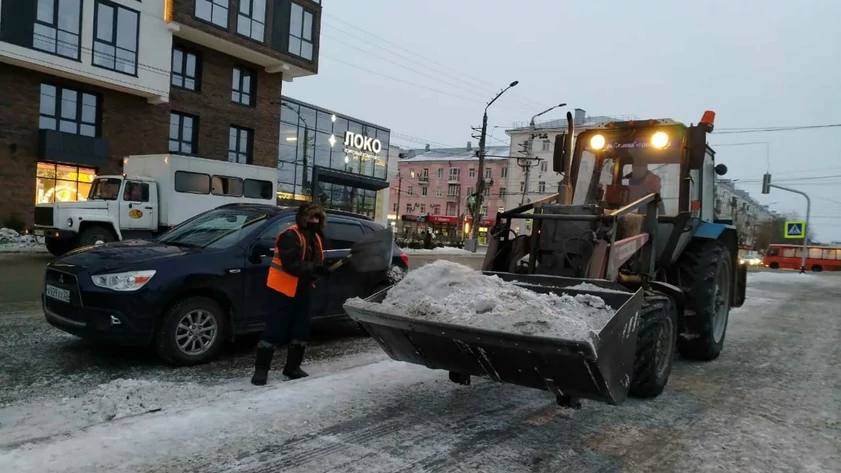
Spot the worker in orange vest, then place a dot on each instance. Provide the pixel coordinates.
(297, 263)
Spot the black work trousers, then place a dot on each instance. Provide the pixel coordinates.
(290, 320)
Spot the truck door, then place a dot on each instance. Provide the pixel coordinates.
(137, 212)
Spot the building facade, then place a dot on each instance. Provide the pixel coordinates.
(335, 159)
(98, 80)
(740, 208)
(431, 188)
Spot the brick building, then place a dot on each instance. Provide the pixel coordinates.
(431, 188)
(97, 80)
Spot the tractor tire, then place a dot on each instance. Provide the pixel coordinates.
(95, 233)
(655, 346)
(706, 276)
(58, 246)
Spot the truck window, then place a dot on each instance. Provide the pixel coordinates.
(105, 189)
(192, 182)
(256, 189)
(136, 192)
(224, 185)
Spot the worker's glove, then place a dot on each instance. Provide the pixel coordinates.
(321, 270)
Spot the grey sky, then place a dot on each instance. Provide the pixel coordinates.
(756, 63)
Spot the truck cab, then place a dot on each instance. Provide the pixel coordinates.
(116, 205)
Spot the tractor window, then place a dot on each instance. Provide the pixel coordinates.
(663, 178)
(585, 177)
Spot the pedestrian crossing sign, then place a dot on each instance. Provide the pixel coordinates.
(795, 229)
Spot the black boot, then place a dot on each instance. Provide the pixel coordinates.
(294, 357)
(262, 364)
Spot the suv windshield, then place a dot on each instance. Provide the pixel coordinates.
(106, 188)
(220, 228)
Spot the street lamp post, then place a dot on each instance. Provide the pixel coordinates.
(529, 161)
(473, 243)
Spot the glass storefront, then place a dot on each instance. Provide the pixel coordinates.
(311, 136)
(62, 183)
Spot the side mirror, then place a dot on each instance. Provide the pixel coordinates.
(720, 169)
(563, 147)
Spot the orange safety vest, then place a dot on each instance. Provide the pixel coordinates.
(280, 280)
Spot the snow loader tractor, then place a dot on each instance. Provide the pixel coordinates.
(634, 221)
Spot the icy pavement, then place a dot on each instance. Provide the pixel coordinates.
(771, 402)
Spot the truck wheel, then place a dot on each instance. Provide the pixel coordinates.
(58, 246)
(707, 277)
(191, 332)
(655, 346)
(95, 233)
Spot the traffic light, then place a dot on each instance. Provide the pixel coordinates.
(766, 183)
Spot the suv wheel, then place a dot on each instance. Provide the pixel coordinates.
(191, 332)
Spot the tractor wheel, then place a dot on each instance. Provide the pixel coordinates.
(706, 275)
(655, 346)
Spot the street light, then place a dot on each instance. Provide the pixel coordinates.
(528, 162)
(472, 244)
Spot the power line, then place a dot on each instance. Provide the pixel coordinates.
(729, 131)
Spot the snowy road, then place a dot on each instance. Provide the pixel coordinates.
(771, 402)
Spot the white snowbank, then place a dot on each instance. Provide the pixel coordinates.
(444, 291)
(13, 242)
(782, 276)
(444, 251)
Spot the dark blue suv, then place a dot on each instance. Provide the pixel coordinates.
(199, 284)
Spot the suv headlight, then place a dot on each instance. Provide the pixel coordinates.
(129, 281)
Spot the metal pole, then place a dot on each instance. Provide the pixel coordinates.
(399, 189)
(806, 229)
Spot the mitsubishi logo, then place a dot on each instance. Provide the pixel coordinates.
(61, 279)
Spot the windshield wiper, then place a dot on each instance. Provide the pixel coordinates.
(181, 244)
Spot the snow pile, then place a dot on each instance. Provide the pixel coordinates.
(443, 251)
(444, 291)
(10, 240)
(587, 286)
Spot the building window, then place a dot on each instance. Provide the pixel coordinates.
(502, 191)
(60, 183)
(438, 193)
(423, 208)
(68, 110)
(115, 40)
(469, 191)
(408, 208)
(242, 86)
(185, 69)
(394, 208)
(440, 173)
(504, 172)
(239, 145)
(57, 26)
(453, 190)
(541, 186)
(454, 174)
(488, 173)
(545, 145)
(471, 172)
(300, 32)
(214, 11)
(251, 20)
(183, 130)
(436, 210)
(425, 174)
(543, 166)
(451, 209)
(424, 190)
(486, 192)
(411, 191)
(484, 212)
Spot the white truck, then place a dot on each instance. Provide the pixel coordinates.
(154, 193)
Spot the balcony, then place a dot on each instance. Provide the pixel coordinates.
(68, 148)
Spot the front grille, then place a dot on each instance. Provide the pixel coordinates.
(64, 281)
(44, 216)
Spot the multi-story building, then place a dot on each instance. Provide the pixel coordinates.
(97, 80)
(739, 207)
(432, 185)
(532, 179)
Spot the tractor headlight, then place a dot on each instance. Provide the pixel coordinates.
(660, 139)
(124, 282)
(597, 142)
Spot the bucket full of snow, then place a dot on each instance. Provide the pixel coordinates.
(573, 337)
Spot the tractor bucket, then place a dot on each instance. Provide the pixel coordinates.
(571, 369)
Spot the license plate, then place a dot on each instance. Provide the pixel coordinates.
(58, 293)
(39, 232)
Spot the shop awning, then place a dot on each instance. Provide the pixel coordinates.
(342, 178)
